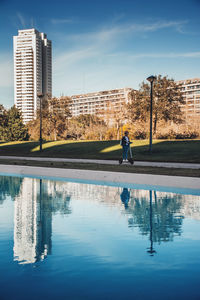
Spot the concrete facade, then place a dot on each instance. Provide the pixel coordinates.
(98, 102)
(32, 70)
(191, 94)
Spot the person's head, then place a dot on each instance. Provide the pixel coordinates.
(126, 132)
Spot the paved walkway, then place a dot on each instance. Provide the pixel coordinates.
(108, 162)
(174, 184)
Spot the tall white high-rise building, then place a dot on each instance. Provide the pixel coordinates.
(32, 70)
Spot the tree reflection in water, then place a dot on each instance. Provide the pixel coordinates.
(156, 214)
(9, 186)
(158, 217)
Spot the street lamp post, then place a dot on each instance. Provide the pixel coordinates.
(40, 96)
(151, 80)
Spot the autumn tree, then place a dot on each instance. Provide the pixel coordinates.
(116, 116)
(86, 126)
(55, 115)
(3, 121)
(58, 114)
(96, 129)
(167, 99)
(12, 127)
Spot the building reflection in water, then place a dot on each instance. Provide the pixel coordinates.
(33, 209)
(32, 223)
(157, 215)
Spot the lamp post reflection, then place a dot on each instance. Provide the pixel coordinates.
(45, 225)
(151, 250)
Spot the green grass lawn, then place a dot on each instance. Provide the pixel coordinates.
(163, 150)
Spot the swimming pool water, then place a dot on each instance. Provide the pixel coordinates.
(69, 240)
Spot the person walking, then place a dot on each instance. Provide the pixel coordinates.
(125, 143)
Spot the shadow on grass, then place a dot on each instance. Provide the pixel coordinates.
(17, 149)
(177, 151)
(83, 149)
(165, 151)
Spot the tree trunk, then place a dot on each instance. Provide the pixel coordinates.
(55, 135)
(118, 131)
(155, 123)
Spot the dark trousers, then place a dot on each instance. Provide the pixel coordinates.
(125, 151)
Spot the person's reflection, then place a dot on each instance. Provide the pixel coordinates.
(125, 197)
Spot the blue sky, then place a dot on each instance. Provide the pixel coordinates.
(100, 45)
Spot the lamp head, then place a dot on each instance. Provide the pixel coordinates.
(151, 78)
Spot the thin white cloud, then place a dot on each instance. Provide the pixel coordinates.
(22, 22)
(61, 21)
(65, 59)
(151, 27)
(176, 25)
(157, 55)
(101, 43)
(21, 19)
(116, 31)
(95, 54)
(32, 22)
(189, 54)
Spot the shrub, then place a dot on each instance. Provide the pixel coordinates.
(140, 134)
(187, 135)
(171, 134)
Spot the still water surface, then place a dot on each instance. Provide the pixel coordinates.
(67, 240)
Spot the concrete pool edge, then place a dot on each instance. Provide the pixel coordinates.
(102, 176)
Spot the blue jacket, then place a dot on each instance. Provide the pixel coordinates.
(125, 141)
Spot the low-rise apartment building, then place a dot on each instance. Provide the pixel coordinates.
(191, 94)
(98, 102)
